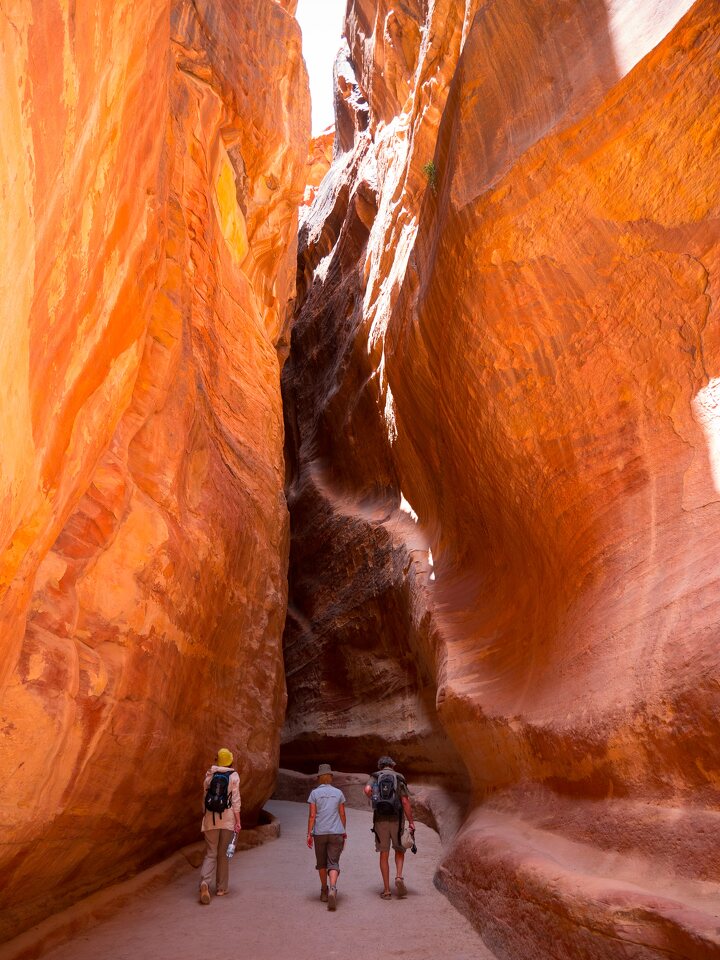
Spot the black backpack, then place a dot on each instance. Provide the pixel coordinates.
(218, 796)
(385, 795)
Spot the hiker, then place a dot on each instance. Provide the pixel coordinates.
(221, 819)
(327, 829)
(390, 797)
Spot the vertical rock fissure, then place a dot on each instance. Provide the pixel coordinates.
(359, 628)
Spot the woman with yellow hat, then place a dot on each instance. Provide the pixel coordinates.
(221, 819)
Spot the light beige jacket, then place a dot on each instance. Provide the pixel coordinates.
(226, 820)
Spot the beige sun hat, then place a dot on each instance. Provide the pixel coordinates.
(323, 769)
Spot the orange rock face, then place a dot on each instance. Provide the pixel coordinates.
(321, 151)
(502, 410)
(152, 169)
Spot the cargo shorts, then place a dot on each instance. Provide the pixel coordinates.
(387, 832)
(328, 847)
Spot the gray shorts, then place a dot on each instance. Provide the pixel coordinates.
(387, 832)
(328, 847)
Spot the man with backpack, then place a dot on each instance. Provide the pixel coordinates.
(390, 798)
(220, 821)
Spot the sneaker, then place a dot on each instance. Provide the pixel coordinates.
(323, 894)
(204, 893)
(400, 887)
(332, 898)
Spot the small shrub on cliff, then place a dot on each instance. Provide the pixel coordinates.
(430, 171)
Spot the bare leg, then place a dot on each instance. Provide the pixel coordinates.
(332, 889)
(399, 861)
(323, 877)
(385, 869)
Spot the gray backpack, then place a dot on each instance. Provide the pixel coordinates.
(385, 793)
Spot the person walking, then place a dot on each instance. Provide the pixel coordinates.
(390, 798)
(327, 827)
(221, 819)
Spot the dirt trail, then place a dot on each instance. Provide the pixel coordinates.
(273, 911)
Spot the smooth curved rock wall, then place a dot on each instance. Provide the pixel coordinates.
(152, 168)
(502, 411)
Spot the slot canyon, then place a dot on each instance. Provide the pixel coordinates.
(404, 439)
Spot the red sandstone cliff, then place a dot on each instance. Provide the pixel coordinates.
(504, 467)
(152, 167)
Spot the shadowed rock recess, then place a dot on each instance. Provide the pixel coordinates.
(502, 409)
(155, 165)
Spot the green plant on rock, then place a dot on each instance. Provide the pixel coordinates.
(430, 171)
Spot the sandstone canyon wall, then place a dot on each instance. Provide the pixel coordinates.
(503, 447)
(152, 166)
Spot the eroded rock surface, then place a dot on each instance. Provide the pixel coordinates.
(319, 160)
(152, 169)
(502, 419)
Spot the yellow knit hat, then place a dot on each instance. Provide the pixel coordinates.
(225, 758)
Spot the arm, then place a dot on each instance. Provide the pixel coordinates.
(236, 802)
(312, 811)
(206, 784)
(368, 788)
(341, 811)
(407, 809)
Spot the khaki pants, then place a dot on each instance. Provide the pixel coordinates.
(216, 865)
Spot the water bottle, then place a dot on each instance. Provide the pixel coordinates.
(231, 847)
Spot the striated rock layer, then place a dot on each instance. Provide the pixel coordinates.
(503, 423)
(151, 166)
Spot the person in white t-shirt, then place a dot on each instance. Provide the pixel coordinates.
(327, 830)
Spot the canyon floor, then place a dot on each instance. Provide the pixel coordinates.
(273, 911)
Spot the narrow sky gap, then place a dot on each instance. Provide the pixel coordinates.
(321, 22)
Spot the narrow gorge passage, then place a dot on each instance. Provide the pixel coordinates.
(403, 439)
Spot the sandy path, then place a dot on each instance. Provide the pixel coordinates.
(273, 911)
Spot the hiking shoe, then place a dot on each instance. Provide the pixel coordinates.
(323, 894)
(400, 887)
(332, 898)
(204, 893)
